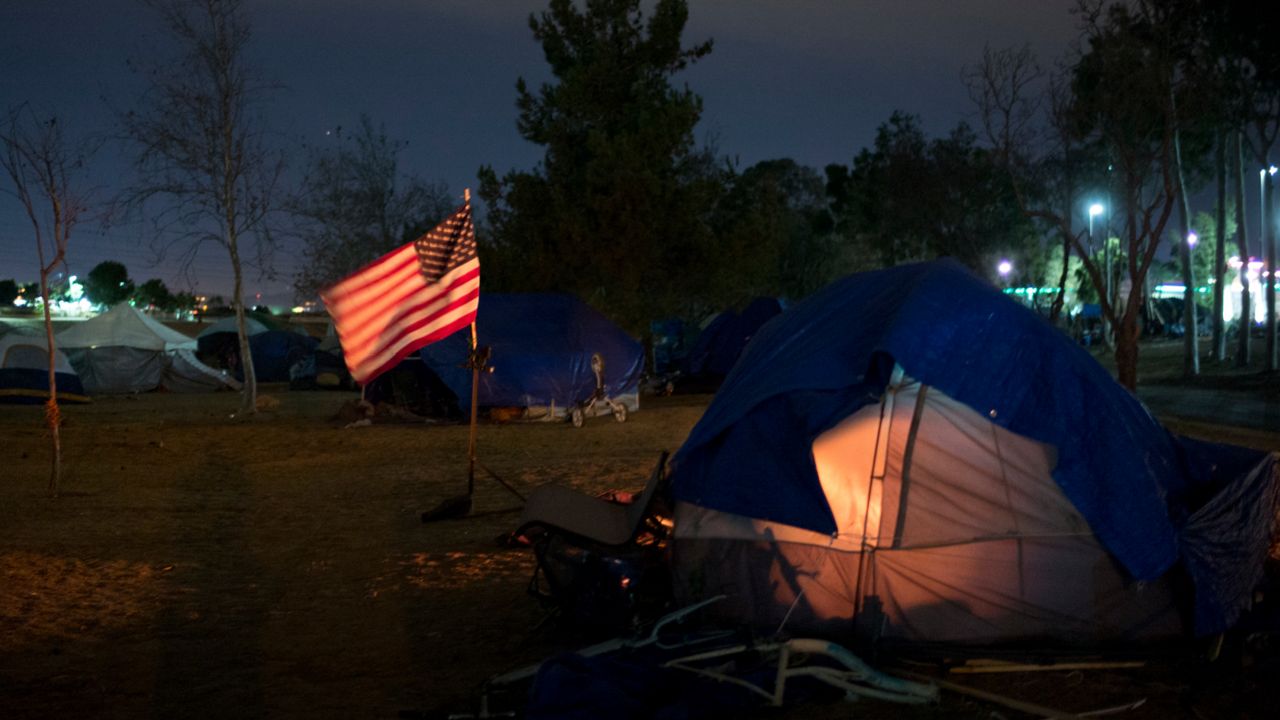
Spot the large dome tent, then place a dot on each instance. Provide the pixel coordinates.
(909, 456)
(124, 351)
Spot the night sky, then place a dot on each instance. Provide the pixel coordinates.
(803, 79)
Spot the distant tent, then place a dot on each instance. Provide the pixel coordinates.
(7, 328)
(722, 341)
(668, 345)
(185, 373)
(124, 351)
(541, 354)
(911, 456)
(414, 387)
(331, 371)
(275, 352)
(24, 372)
(229, 325)
(255, 323)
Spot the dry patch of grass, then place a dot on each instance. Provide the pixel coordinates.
(48, 597)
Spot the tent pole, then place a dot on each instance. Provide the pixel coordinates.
(906, 465)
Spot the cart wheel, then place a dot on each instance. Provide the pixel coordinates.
(575, 416)
(620, 412)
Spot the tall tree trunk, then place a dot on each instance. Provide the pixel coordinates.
(1269, 248)
(1242, 232)
(1220, 252)
(1127, 351)
(249, 393)
(1055, 309)
(1058, 300)
(52, 414)
(1191, 338)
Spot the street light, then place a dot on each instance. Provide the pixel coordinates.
(1095, 210)
(1192, 239)
(1005, 267)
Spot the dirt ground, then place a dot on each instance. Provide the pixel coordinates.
(196, 566)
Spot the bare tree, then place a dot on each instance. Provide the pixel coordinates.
(1120, 110)
(201, 149)
(354, 204)
(42, 168)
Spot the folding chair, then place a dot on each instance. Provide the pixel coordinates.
(561, 509)
(600, 564)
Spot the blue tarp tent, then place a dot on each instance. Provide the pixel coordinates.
(722, 341)
(946, 456)
(541, 348)
(274, 352)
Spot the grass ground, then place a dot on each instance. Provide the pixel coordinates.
(198, 567)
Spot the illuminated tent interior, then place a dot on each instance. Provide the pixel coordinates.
(910, 457)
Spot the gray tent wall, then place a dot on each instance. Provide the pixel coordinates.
(116, 369)
(124, 351)
(184, 373)
(951, 529)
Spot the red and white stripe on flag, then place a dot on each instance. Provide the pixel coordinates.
(388, 309)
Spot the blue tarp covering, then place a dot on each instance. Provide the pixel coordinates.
(274, 352)
(721, 342)
(541, 353)
(1150, 499)
(24, 386)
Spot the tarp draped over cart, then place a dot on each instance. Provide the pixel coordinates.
(541, 347)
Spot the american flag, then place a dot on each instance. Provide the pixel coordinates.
(413, 296)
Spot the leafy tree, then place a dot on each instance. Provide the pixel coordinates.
(43, 171)
(8, 292)
(108, 283)
(355, 205)
(618, 207)
(201, 147)
(184, 302)
(910, 198)
(153, 293)
(773, 234)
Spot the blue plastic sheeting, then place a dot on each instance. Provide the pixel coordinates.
(21, 386)
(541, 353)
(831, 354)
(273, 351)
(722, 341)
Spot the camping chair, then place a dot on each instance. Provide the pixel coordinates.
(598, 562)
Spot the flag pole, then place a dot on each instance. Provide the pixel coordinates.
(475, 389)
(475, 399)
(478, 359)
